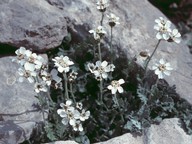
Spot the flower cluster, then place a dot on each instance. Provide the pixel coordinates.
(98, 33)
(163, 27)
(102, 5)
(113, 20)
(72, 76)
(30, 64)
(100, 69)
(33, 68)
(162, 68)
(73, 115)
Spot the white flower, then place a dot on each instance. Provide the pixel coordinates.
(77, 126)
(31, 57)
(163, 28)
(39, 62)
(46, 77)
(101, 69)
(113, 20)
(84, 115)
(162, 69)
(73, 116)
(40, 87)
(21, 54)
(69, 117)
(62, 63)
(29, 66)
(65, 107)
(175, 36)
(102, 5)
(98, 33)
(30, 61)
(29, 75)
(116, 86)
(68, 113)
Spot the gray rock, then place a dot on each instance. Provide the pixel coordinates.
(33, 24)
(63, 142)
(124, 139)
(168, 132)
(133, 35)
(18, 116)
(42, 25)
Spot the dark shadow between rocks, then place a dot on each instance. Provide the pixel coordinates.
(7, 50)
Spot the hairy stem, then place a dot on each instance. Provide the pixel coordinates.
(111, 50)
(102, 17)
(99, 50)
(101, 91)
(71, 91)
(150, 57)
(48, 95)
(66, 88)
(116, 101)
(44, 100)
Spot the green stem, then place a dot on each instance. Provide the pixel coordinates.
(111, 50)
(99, 50)
(102, 17)
(116, 101)
(150, 57)
(29, 141)
(48, 95)
(71, 91)
(66, 88)
(94, 50)
(40, 97)
(101, 91)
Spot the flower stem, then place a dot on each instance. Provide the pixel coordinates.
(44, 101)
(116, 101)
(101, 91)
(150, 57)
(71, 91)
(66, 88)
(99, 50)
(111, 50)
(102, 17)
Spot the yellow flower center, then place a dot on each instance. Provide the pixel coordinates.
(100, 70)
(115, 84)
(162, 67)
(63, 63)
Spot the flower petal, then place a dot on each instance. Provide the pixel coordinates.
(120, 89)
(121, 81)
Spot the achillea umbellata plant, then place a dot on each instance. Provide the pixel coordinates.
(88, 97)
